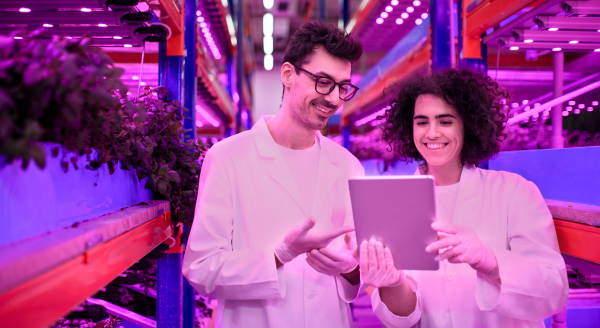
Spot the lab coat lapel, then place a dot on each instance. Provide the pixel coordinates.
(327, 174)
(469, 196)
(278, 170)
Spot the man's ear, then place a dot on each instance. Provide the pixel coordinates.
(287, 70)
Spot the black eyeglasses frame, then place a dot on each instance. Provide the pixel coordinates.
(317, 78)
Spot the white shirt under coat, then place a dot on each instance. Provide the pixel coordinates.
(248, 200)
(508, 213)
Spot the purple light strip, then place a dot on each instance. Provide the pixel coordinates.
(204, 28)
(371, 117)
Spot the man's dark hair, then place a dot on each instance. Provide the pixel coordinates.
(316, 34)
(313, 34)
(476, 98)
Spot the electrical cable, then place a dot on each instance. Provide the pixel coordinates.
(165, 26)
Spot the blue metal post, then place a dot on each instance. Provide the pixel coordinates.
(346, 133)
(240, 63)
(169, 280)
(440, 34)
(345, 6)
(322, 10)
(169, 290)
(191, 82)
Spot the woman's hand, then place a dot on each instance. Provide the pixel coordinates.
(377, 265)
(464, 247)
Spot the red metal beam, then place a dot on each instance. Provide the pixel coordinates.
(491, 12)
(359, 18)
(44, 299)
(578, 240)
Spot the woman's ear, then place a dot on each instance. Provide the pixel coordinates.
(287, 71)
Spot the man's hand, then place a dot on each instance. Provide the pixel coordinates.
(302, 240)
(377, 265)
(465, 247)
(331, 262)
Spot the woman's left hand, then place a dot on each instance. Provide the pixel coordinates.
(464, 247)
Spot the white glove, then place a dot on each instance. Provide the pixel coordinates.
(331, 262)
(465, 247)
(301, 239)
(377, 265)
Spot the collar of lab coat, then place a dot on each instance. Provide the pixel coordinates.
(327, 172)
(469, 194)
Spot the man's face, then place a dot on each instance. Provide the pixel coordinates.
(308, 107)
(437, 130)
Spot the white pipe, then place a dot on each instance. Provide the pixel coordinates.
(553, 102)
(557, 111)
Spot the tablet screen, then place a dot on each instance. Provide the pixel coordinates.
(398, 211)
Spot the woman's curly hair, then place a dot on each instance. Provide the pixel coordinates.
(477, 99)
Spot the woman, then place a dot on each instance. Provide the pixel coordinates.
(500, 265)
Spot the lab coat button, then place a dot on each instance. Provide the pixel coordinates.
(311, 296)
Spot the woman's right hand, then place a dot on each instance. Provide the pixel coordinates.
(377, 265)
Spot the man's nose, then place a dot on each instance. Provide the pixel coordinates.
(334, 96)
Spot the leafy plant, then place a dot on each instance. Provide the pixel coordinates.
(58, 90)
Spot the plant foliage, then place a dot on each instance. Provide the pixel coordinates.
(65, 91)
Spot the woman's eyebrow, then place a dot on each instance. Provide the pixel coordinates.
(444, 115)
(420, 117)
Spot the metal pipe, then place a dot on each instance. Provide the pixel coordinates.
(557, 118)
(452, 40)
(553, 102)
(567, 87)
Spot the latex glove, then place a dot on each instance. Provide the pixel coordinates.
(465, 247)
(377, 265)
(331, 262)
(302, 239)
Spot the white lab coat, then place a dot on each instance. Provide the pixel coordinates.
(247, 202)
(508, 214)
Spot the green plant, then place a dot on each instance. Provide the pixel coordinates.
(67, 92)
(58, 90)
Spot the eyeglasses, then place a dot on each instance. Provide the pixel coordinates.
(325, 85)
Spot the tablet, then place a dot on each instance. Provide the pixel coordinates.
(398, 211)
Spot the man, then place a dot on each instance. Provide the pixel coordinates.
(269, 237)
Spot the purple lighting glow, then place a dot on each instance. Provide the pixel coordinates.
(48, 25)
(384, 15)
(394, 2)
(416, 3)
(102, 25)
(207, 116)
(410, 9)
(389, 9)
(18, 38)
(379, 20)
(86, 10)
(24, 10)
(404, 15)
(117, 37)
(399, 21)
(418, 21)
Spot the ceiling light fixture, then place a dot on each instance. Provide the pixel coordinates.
(384, 15)
(416, 3)
(394, 2)
(418, 21)
(24, 10)
(514, 48)
(556, 49)
(102, 25)
(552, 29)
(410, 9)
(389, 9)
(116, 37)
(404, 15)
(399, 21)
(268, 4)
(127, 46)
(86, 10)
(379, 20)
(528, 41)
(573, 42)
(424, 15)
(48, 25)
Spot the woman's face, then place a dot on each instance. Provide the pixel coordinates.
(437, 131)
